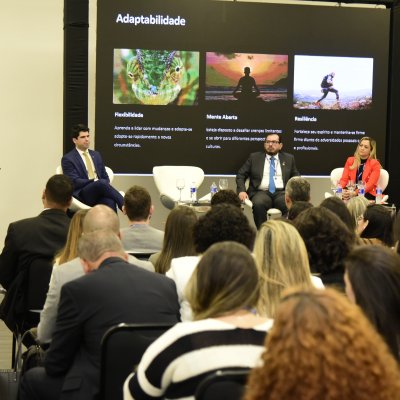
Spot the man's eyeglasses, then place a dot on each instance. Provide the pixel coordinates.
(271, 142)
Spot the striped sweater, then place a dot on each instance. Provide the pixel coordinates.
(178, 361)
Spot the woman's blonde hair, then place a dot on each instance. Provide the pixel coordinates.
(224, 281)
(357, 206)
(372, 154)
(282, 261)
(70, 250)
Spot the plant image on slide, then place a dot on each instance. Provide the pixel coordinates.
(155, 77)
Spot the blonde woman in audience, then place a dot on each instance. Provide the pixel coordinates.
(322, 347)
(178, 238)
(70, 250)
(282, 262)
(225, 334)
(357, 206)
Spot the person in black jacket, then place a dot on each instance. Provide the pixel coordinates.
(112, 291)
(33, 240)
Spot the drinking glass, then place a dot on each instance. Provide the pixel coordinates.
(180, 184)
(334, 183)
(223, 184)
(360, 184)
(351, 186)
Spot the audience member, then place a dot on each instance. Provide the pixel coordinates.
(225, 333)
(297, 208)
(98, 218)
(112, 291)
(297, 189)
(328, 241)
(373, 282)
(357, 206)
(224, 222)
(70, 250)
(178, 238)
(322, 347)
(33, 240)
(89, 176)
(282, 262)
(140, 236)
(377, 226)
(339, 208)
(226, 196)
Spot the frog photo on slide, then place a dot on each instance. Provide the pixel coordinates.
(158, 77)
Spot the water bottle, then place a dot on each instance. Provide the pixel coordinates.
(213, 189)
(361, 189)
(378, 198)
(193, 189)
(339, 191)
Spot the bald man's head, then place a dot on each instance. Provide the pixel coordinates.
(101, 217)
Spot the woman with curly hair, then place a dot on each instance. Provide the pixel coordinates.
(282, 262)
(224, 222)
(328, 241)
(178, 238)
(322, 347)
(373, 282)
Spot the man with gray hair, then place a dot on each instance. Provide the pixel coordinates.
(98, 218)
(112, 291)
(297, 189)
(96, 246)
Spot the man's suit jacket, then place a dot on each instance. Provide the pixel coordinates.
(62, 274)
(253, 169)
(116, 292)
(142, 238)
(74, 167)
(28, 239)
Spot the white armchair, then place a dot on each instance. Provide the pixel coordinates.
(165, 179)
(383, 180)
(77, 205)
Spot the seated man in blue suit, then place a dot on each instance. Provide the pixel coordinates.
(86, 169)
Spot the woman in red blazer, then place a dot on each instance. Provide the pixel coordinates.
(363, 166)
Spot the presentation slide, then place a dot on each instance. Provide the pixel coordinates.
(184, 82)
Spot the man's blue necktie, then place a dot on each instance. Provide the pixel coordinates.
(271, 175)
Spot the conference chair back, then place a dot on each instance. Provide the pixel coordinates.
(223, 384)
(122, 348)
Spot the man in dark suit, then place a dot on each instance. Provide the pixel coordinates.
(86, 169)
(33, 239)
(268, 171)
(111, 292)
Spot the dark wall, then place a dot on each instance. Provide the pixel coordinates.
(393, 133)
(76, 29)
(76, 53)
